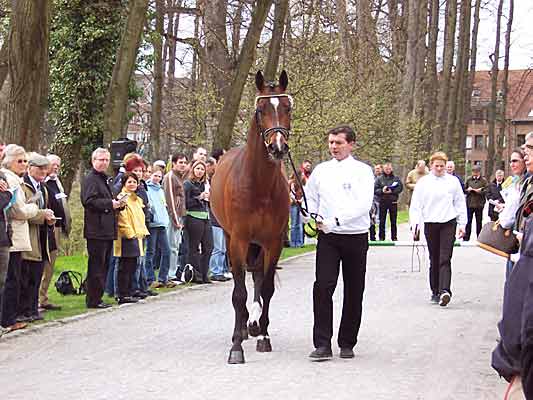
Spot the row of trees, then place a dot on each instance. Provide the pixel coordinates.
(400, 71)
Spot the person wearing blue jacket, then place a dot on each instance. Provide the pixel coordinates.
(158, 233)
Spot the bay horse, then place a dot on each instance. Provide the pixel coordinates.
(250, 199)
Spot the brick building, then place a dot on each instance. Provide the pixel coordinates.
(518, 118)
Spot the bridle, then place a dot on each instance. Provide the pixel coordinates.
(265, 133)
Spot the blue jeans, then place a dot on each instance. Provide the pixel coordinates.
(297, 231)
(111, 285)
(158, 239)
(138, 281)
(174, 242)
(217, 263)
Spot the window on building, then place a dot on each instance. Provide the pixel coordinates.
(478, 142)
(468, 142)
(520, 140)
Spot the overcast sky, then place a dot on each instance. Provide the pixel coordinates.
(521, 53)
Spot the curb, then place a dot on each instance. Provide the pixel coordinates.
(89, 314)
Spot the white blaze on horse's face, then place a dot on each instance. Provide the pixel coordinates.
(256, 312)
(275, 103)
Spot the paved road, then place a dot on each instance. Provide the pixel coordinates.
(176, 347)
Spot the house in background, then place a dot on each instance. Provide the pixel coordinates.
(518, 118)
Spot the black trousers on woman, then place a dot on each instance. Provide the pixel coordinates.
(10, 301)
(126, 269)
(440, 238)
(332, 250)
(199, 232)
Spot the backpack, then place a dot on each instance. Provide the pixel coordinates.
(187, 275)
(65, 283)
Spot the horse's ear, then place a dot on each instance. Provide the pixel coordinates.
(283, 80)
(259, 81)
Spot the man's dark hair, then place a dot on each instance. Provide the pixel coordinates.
(178, 156)
(217, 153)
(346, 129)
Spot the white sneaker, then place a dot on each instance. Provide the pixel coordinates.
(228, 275)
(444, 299)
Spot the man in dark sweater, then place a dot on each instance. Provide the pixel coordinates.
(476, 187)
(387, 188)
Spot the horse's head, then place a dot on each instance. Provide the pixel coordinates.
(273, 114)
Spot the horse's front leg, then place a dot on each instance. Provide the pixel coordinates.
(267, 291)
(254, 325)
(236, 354)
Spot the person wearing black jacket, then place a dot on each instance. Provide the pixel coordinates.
(387, 188)
(513, 356)
(197, 222)
(100, 225)
(5, 238)
(494, 193)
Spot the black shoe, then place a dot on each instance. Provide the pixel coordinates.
(321, 354)
(24, 318)
(50, 306)
(346, 353)
(36, 317)
(151, 293)
(140, 295)
(435, 298)
(207, 281)
(125, 300)
(219, 278)
(101, 305)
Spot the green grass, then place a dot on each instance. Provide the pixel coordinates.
(403, 217)
(294, 251)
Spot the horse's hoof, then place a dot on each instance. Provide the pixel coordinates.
(253, 329)
(244, 333)
(263, 346)
(236, 357)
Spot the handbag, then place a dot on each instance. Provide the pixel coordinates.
(497, 240)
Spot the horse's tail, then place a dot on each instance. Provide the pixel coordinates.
(254, 257)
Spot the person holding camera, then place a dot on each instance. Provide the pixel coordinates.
(438, 204)
(197, 223)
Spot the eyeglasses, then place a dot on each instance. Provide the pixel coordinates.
(22, 161)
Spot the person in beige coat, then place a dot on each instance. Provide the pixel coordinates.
(413, 176)
(14, 166)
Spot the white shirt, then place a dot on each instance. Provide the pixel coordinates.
(437, 199)
(341, 192)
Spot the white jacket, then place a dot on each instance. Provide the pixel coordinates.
(19, 213)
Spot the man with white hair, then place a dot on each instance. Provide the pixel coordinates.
(100, 225)
(450, 169)
(62, 226)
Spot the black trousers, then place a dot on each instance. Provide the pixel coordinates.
(31, 273)
(372, 232)
(332, 250)
(100, 252)
(10, 301)
(478, 212)
(126, 269)
(199, 231)
(392, 207)
(440, 238)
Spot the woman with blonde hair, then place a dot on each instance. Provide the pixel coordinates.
(438, 204)
(15, 164)
(197, 224)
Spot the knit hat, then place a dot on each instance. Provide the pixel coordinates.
(133, 161)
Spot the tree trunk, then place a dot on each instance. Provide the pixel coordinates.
(246, 58)
(157, 94)
(280, 16)
(421, 56)
(115, 113)
(430, 81)
(446, 81)
(464, 95)
(344, 31)
(409, 75)
(505, 80)
(4, 64)
(491, 148)
(28, 39)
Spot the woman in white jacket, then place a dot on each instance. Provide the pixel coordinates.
(439, 205)
(14, 165)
